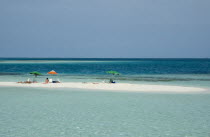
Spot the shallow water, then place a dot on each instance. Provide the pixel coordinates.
(80, 113)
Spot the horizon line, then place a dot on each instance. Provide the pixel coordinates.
(111, 57)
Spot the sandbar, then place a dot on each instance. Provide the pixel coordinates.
(123, 87)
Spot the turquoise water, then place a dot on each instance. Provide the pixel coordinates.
(38, 112)
(35, 112)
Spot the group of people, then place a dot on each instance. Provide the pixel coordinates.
(28, 81)
(47, 80)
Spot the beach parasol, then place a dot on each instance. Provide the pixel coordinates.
(52, 72)
(35, 73)
(113, 72)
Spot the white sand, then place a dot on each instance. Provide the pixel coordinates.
(113, 87)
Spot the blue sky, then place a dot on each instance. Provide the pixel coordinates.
(105, 28)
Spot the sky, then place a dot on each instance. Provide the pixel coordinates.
(105, 28)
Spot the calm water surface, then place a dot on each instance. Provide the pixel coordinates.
(80, 113)
(37, 112)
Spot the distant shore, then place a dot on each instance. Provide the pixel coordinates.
(120, 87)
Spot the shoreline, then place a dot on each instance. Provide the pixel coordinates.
(118, 87)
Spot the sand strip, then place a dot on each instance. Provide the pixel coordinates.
(112, 87)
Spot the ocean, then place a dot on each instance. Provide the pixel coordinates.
(194, 72)
(63, 112)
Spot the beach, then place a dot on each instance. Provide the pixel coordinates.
(104, 68)
(151, 97)
(119, 87)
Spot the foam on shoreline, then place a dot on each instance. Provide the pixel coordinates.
(113, 87)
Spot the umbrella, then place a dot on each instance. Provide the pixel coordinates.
(52, 72)
(35, 73)
(113, 72)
